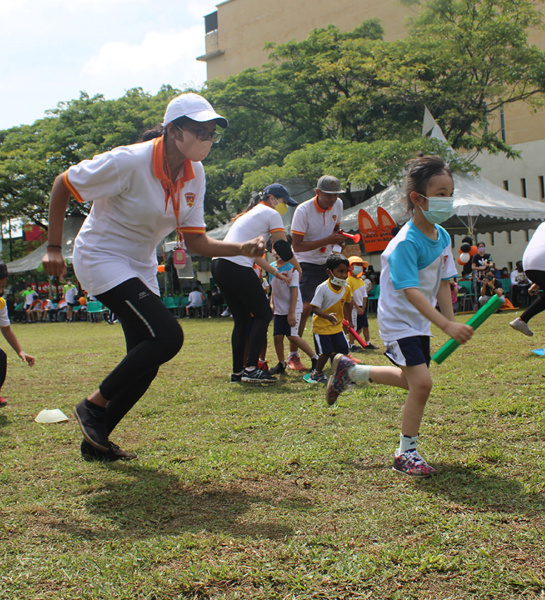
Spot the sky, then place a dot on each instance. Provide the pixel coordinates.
(50, 50)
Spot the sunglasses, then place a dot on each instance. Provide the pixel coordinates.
(203, 134)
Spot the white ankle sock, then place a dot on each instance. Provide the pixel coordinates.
(359, 373)
(406, 442)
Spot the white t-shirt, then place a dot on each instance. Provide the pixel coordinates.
(534, 255)
(4, 317)
(195, 299)
(315, 223)
(128, 218)
(282, 291)
(261, 220)
(70, 294)
(411, 260)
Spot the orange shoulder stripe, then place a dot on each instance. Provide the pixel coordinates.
(71, 188)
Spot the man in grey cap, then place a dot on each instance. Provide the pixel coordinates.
(315, 231)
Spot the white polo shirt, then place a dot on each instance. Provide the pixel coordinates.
(261, 220)
(315, 223)
(128, 218)
(534, 255)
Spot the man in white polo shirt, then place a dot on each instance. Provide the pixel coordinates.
(315, 231)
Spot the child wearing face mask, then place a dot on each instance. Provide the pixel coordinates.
(416, 267)
(331, 304)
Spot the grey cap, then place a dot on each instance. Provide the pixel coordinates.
(329, 185)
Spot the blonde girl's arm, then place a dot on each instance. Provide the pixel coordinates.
(12, 340)
(458, 331)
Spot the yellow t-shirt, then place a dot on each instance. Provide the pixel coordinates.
(330, 301)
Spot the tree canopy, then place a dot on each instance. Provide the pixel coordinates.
(346, 103)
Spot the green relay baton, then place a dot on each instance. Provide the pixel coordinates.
(476, 320)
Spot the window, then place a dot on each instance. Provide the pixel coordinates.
(542, 185)
(523, 187)
(211, 22)
(506, 185)
(502, 123)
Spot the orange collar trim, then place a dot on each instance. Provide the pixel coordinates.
(318, 207)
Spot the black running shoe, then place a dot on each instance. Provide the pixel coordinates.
(278, 369)
(92, 421)
(235, 378)
(90, 453)
(256, 375)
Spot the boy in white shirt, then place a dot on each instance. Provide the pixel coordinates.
(287, 306)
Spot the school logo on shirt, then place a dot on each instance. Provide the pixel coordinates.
(334, 217)
(190, 199)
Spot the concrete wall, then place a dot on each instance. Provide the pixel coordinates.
(244, 26)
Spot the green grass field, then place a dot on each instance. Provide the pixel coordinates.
(265, 492)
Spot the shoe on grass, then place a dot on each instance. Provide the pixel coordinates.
(371, 346)
(294, 363)
(411, 463)
(235, 378)
(92, 421)
(256, 375)
(3, 402)
(317, 377)
(521, 326)
(90, 453)
(339, 380)
(278, 369)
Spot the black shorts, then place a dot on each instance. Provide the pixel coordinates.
(313, 275)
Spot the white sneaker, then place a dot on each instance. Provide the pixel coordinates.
(521, 326)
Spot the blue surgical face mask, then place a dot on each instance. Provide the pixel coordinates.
(357, 270)
(440, 208)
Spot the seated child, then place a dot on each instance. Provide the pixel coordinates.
(7, 332)
(331, 304)
(287, 306)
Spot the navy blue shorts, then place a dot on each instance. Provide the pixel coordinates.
(362, 321)
(282, 327)
(313, 275)
(409, 351)
(335, 343)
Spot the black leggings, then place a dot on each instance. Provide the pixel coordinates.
(538, 305)
(248, 303)
(153, 337)
(3, 367)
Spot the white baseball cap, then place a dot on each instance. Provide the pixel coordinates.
(194, 107)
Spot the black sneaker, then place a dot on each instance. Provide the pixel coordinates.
(257, 376)
(278, 369)
(90, 453)
(371, 346)
(235, 378)
(92, 421)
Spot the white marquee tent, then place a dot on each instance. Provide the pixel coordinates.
(479, 206)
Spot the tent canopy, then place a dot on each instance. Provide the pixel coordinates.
(33, 260)
(479, 206)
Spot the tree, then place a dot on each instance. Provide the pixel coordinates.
(31, 156)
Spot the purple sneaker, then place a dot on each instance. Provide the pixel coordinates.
(339, 380)
(411, 463)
